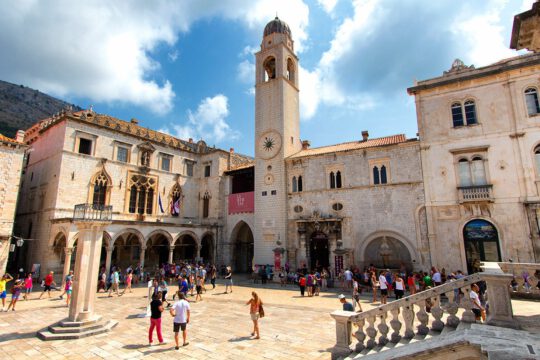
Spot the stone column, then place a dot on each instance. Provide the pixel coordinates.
(171, 252)
(141, 259)
(86, 270)
(500, 306)
(67, 261)
(108, 260)
(343, 334)
(198, 256)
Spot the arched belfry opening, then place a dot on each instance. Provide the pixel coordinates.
(291, 70)
(269, 66)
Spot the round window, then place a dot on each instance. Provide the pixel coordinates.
(337, 206)
(298, 209)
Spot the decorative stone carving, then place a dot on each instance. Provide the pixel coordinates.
(457, 67)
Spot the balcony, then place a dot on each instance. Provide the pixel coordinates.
(242, 203)
(91, 212)
(475, 193)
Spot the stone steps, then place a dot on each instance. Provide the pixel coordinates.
(67, 330)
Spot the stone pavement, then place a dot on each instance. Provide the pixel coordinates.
(293, 328)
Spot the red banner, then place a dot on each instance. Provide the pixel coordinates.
(242, 203)
(277, 261)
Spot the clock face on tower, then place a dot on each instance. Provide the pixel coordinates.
(269, 144)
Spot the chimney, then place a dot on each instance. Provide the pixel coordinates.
(365, 135)
(190, 140)
(134, 121)
(305, 144)
(231, 150)
(20, 136)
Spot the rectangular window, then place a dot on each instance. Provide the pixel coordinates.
(85, 146)
(207, 171)
(457, 114)
(122, 154)
(189, 169)
(273, 192)
(264, 193)
(166, 163)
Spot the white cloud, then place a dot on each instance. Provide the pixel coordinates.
(246, 72)
(103, 50)
(173, 55)
(328, 5)
(207, 122)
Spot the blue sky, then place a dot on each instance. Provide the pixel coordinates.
(187, 67)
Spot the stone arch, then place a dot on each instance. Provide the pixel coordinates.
(73, 240)
(207, 247)
(166, 234)
(139, 235)
(269, 67)
(242, 247)
(186, 246)
(399, 250)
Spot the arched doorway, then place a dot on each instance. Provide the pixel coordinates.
(242, 257)
(207, 248)
(157, 251)
(481, 243)
(185, 248)
(126, 252)
(58, 249)
(319, 252)
(387, 252)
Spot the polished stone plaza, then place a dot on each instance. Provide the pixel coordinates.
(294, 327)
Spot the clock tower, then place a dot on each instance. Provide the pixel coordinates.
(277, 136)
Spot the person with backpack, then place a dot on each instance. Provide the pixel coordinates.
(256, 312)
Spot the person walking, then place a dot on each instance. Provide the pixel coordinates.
(15, 293)
(48, 282)
(115, 283)
(383, 284)
(156, 308)
(28, 285)
(302, 284)
(356, 295)
(181, 313)
(163, 288)
(213, 276)
(477, 307)
(199, 288)
(255, 313)
(228, 279)
(3, 284)
(69, 277)
(374, 285)
(68, 290)
(102, 281)
(129, 279)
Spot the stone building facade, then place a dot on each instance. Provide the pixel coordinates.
(480, 150)
(12, 153)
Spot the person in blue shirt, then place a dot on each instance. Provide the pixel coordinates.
(347, 306)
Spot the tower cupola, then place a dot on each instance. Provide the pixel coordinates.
(277, 26)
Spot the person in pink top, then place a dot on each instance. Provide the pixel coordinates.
(28, 285)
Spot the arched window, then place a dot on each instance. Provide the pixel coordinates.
(206, 204)
(464, 171)
(478, 171)
(290, 70)
(376, 179)
(300, 186)
(294, 184)
(269, 68)
(470, 112)
(457, 114)
(531, 99)
(332, 180)
(338, 179)
(100, 190)
(142, 190)
(383, 175)
(537, 159)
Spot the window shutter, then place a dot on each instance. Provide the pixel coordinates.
(478, 172)
(464, 173)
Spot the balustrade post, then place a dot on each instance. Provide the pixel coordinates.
(360, 335)
(371, 332)
(383, 329)
(437, 312)
(500, 306)
(343, 334)
(408, 316)
(396, 325)
(452, 308)
(423, 317)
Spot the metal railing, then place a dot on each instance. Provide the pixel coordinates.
(91, 212)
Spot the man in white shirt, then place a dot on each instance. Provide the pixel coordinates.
(477, 307)
(384, 287)
(348, 278)
(181, 312)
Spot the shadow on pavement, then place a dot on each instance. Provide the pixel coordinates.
(241, 338)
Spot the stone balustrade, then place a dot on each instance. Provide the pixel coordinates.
(518, 270)
(409, 316)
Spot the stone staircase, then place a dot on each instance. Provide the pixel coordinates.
(69, 330)
(418, 333)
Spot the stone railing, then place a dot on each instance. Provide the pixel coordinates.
(475, 193)
(518, 270)
(410, 318)
(90, 212)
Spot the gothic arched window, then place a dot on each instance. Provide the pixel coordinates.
(383, 175)
(206, 204)
(294, 184)
(142, 190)
(338, 179)
(100, 186)
(300, 185)
(332, 180)
(376, 178)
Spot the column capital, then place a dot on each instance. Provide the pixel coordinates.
(68, 250)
